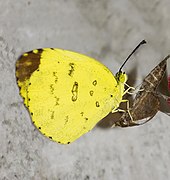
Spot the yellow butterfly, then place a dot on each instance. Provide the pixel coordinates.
(67, 93)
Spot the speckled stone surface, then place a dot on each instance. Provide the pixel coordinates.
(108, 31)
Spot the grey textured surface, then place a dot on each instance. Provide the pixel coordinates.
(107, 30)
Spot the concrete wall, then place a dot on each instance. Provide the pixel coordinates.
(107, 30)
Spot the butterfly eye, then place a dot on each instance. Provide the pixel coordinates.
(123, 78)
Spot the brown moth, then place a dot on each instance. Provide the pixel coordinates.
(168, 99)
(146, 103)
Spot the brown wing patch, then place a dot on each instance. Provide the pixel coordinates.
(27, 64)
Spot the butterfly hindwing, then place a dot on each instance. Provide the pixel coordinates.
(66, 93)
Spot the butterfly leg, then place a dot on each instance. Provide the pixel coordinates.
(127, 91)
(128, 108)
(122, 110)
(133, 89)
(126, 122)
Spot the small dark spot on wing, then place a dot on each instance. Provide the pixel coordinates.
(94, 83)
(71, 71)
(66, 119)
(91, 93)
(82, 113)
(52, 115)
(74, 91)
(97, 104)
(56, 77)
(52, 88)
(56, 100)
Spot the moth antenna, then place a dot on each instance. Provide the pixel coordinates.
(141, 43)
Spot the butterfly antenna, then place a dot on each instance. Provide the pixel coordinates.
(141, 43)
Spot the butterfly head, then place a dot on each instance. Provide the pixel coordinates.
(121, 77)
